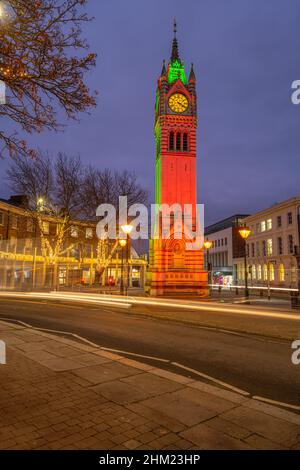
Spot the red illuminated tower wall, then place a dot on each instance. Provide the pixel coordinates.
(173, 269)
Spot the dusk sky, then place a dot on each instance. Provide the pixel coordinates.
(246, 54)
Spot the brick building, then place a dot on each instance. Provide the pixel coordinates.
(23, 263)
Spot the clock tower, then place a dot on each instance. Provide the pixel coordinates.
(173, 267)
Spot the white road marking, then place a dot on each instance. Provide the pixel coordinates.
(274, 402)
(212, 379)
(135, 354)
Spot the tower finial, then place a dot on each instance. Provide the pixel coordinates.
(192, 76)
(175, 54)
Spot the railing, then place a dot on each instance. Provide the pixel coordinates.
(274, 288)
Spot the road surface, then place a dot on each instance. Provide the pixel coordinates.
(258, 364)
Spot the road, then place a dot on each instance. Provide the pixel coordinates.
(260, 365)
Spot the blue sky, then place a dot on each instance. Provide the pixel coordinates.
(246, 54)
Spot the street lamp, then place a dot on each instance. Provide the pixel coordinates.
(244, 233)
(207, 245)
(40, 204)
(6, 13)
(122, 243)
(127, 229)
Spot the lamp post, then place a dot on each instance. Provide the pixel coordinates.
(207, 245)
(122, 243)
(127, 229)
(244, 233)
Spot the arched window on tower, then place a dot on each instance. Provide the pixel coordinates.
(171, 141)
(178, 141)
(185, 142)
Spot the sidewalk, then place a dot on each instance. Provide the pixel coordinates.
(60, 394)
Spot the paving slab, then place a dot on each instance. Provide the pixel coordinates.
(186, 412)
(207, 438)
(61, 364)
(106, 372)
(153, 384)
(270, 427)
(205, 400)
(57, 393)
(226, 427)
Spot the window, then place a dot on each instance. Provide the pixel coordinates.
(263, 226)
(271, 272)
(293, 274)
(290, 218)
(89, 232)
(1, 218)
(218, 242)
(253, 272)
(222, 242)
(14, 222)
(74, 231)
(46, 228)
(258, 228)
(13, 243)
(241, 272)
(29, 225)
(269, 247)
(264, 246)
(252, 250)
(178, 141)
(28, 245)
(171, 141)
(257, 249)
(281, 274)
(280, 246)
(259, 272)
(87, 250)
(74, 252)
(291, 244)
(185, 142)
(265, 271)
(279, 221)
(269, 224)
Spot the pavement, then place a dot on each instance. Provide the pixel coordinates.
(251, 351)
(58, 393)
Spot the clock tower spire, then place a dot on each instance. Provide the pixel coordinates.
(173, 267)
(175, 53)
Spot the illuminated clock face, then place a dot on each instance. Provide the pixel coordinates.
(178, 103)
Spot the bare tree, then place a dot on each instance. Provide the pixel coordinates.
(32, 178)
(52, 191)
(68, 178)
(62, 189)
(104, 186)
(42, 65)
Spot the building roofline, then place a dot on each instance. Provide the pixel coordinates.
(23, 211)
(224, 223)
(287, 202)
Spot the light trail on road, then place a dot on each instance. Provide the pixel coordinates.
(127, 302)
